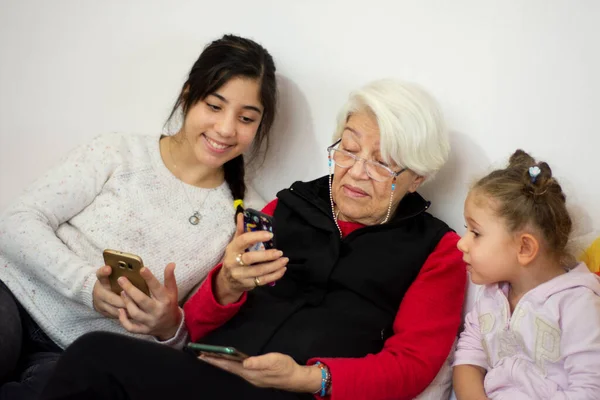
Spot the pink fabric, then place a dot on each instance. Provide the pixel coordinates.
(549, 348)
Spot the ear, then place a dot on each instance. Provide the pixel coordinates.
(417, 180)
(528, 248)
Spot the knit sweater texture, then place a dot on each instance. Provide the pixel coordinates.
(113, 193)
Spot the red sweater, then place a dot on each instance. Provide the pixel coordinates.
(425, 327)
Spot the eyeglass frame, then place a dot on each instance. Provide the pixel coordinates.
(393, 174)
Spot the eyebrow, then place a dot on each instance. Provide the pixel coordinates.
(472, 221)
(245, 107)
(357, 133)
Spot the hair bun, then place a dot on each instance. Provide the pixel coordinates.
(520, 159)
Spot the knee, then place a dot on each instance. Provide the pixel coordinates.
(94, 343)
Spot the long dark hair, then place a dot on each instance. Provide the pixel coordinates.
(226, 58)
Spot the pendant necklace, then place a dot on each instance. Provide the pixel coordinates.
(194, 219)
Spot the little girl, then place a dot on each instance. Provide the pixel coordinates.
(534, 332)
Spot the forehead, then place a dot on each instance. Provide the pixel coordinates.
(480, 207)
(241, 91)
(363, 126)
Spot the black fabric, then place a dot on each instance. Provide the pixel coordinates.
(106, 366)
(339, 297)
(27, 355)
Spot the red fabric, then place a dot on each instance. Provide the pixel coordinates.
(424, 328)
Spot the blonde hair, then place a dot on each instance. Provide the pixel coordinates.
(411, 125)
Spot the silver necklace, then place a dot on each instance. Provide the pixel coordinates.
(194, 219)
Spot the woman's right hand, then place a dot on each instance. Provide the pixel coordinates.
(104, 300)
(243, 271)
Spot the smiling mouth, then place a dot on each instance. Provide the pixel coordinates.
(216, 145)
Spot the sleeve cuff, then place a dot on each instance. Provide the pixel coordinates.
(86, 295)
(467, 359)
(180, 338)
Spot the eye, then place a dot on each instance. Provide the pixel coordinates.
(349, 149)
(213, 107)
(246, 120)
(474, 232)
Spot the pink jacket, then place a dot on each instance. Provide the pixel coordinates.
(549, 348)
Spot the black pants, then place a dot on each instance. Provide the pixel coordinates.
(107, 366)
(27, 355)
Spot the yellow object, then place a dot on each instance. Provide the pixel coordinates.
(237, 203)
(592, 256)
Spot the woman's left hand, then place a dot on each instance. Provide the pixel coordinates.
(159, 315)
(273, 370)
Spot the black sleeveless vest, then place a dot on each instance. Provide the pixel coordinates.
(339, 297)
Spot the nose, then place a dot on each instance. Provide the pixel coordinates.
(462, 245)
(358, 171)
(225, 125)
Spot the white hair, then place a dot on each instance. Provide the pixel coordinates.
(411, 124)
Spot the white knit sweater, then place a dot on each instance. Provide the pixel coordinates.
(114, 193)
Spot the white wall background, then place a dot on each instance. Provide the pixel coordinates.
(509, 74)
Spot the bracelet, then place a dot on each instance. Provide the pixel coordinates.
(325, 379)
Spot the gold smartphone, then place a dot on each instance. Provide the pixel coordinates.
(127, 265)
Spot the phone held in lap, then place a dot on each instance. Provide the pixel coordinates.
(127, 265)
(256, 221)
(228, 353)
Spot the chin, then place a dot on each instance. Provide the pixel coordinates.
(213, 161)
(477, 280)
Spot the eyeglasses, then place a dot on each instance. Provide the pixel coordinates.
(375, 170)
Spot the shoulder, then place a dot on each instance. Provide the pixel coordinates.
(117, 143)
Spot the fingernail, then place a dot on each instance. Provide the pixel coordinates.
(270, 235)
(279, 253)
(121, 280)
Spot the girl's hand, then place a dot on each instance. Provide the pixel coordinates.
(104, 300)
(159, 315)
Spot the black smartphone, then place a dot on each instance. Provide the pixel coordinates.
(229, 353)
(257, 221)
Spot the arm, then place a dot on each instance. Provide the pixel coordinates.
(28, 226)
(470, 361)
(467, 381)
(424, 331)
(580, 347)
(203, 312)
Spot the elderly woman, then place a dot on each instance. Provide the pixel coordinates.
(369, 286)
